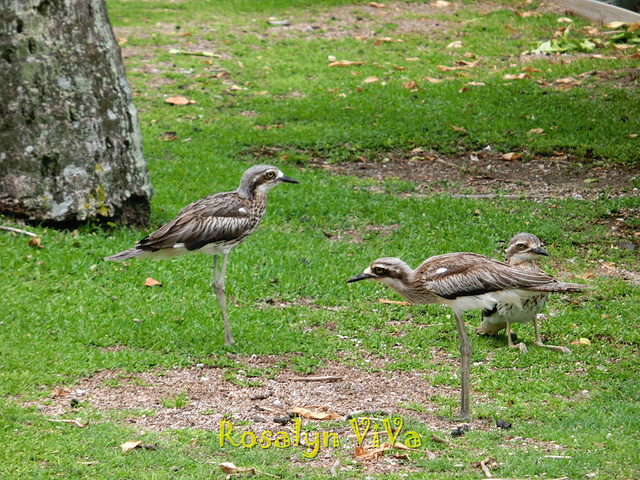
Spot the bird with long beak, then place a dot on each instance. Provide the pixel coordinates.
(213, 225)
(523, 251)
(463, 281)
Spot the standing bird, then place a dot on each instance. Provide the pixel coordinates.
(214, 225)
(463, 281)
(524, 251)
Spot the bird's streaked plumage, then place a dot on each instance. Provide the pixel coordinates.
(523, 251)
(214, 225)
(463, 281)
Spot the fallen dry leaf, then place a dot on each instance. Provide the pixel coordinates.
(168, 136)
(393, 302)
(371, 79)
(35, 242)
(410, 85)
(230, 469)
(518, 76)
(440, 4)
(306, 413)
(380, 41)
(456, 44)
(150, 282)
(412, 59)
(444, 68)
(345, 63)
(616, 25)
(566, 80)
(564, 20)
(581, 341)
(432, 80)
(377, 5)
(178, 100)
(131, 445)
(77, 421)
(370, 453)
(59, 392)
(458, 129)
(526, 14)
(537, 131)
(461, 65)
(512, 156)
(396, 67)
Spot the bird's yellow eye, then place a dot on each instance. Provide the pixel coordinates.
(379, 270)
(521, 246)
(270, 175)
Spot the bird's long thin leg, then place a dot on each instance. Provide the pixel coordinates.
(521, 345)
(218, 286)
(465, 366)
(541, 344)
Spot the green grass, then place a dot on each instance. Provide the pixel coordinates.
(67, 314)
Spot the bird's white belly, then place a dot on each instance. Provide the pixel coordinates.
(529, 307)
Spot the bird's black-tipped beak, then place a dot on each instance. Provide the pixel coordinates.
(539, 251)
(362, 276)
(288, 180)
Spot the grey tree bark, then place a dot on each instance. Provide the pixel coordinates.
(70, 143)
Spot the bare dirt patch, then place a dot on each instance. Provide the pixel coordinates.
(487, 174)
(210, 398)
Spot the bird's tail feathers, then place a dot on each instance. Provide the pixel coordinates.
(125, 254)
(560, 287)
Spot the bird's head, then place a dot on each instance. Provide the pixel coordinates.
(392, 271)
(263, 178)
(525, 247)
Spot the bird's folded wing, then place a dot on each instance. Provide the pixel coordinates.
(464, 274)
(211, 219)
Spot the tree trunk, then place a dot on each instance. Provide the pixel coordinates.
(70, 143)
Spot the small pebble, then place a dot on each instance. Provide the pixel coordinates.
(277, 403)
(626, 246)
(260, 396)
(259, 418)
(282, 420)
(502, 424)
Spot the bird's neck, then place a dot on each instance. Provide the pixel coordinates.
(253, 192)
(406, 287)
(526, 264)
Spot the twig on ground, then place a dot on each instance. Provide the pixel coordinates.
(334, 468)
(17, 230)
(328, 378)
(485, 469)
(435, 438)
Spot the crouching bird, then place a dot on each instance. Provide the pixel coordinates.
(213, 225)
(523, 251)
(463, 281)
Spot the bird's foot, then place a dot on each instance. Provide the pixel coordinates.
(520, 346)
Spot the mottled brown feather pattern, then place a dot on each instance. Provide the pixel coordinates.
(217, 218)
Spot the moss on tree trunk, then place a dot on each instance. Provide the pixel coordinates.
(70, 143)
